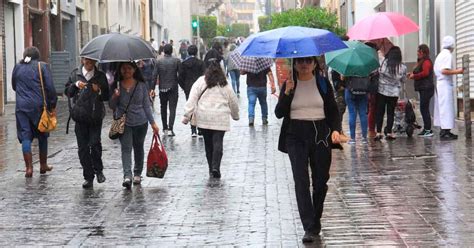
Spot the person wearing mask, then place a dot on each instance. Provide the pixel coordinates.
(393, 74)
(132, 92)
(191, 69)
(168, 68)
(310, 128)
(26, 83)
(423, 76)
(444, 100)
(211, 102)
(88, 88)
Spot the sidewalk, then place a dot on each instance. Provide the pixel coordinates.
(409, 192)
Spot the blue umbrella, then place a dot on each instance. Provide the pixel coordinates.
(291, 42)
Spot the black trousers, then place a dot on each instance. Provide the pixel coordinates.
(389, 103)
(425, 98)
(186, 93)
(213, 142)
(170, 97)
(89, 149)
(308, 143)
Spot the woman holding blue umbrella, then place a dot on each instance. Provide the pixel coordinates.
(311, 127)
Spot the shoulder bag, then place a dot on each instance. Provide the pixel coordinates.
(48, 121)
(118, 124)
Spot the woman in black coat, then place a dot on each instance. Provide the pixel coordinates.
(311, 127)
(29, 105)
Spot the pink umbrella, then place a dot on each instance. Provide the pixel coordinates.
(382, 25)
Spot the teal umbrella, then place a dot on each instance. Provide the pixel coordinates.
(357, 60)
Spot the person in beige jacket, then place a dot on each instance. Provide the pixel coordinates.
(209, 106)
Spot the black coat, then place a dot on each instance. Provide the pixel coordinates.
(283, 109)
(191, 69)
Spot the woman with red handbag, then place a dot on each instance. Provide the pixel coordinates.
(211, 102)
(132, 97)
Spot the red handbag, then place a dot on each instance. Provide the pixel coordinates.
(157, 161)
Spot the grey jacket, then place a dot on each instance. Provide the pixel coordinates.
(167, 71)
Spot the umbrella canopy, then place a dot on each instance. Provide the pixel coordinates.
(357, 60)
(291, 42)
(116, 47)
(250, 64)
(382, 25)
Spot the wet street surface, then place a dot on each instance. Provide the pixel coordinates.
(408, 192)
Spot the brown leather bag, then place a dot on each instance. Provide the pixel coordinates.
(48, 121)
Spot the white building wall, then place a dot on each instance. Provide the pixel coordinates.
(124, 16)
(14, 44)
(177, 21)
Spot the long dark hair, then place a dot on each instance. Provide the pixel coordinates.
(137, 75)
(394, 60)
(214, 75)
(32, 52)
(426, 54)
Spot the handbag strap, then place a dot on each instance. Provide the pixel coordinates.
(42, 84)
(130, 100)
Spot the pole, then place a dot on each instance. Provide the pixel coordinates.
(199, 36)
(466, 96)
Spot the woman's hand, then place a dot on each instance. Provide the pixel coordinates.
(185, 121)
(338, 138)
(290, 85)
(411, 76)
(155, 128)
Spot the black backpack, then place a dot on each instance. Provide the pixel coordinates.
(358, 85)
(85, 107)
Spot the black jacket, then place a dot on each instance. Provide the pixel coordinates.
(191, 69)
(283, 109)
(167, 69)
(87, 105)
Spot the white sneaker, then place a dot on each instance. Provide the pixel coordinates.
(165, 132)
(194, 135)
(137, 180)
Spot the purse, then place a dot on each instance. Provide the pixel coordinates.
(48, 121)
(193, 120)
(157, 161)
(118, 124)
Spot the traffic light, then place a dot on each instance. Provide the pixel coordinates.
(194, 24)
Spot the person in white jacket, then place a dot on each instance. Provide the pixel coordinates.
(211, 102)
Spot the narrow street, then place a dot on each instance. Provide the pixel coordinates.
(408, 192)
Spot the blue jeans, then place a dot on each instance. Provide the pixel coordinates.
(235, 77)
(357, 104)
(261, 93)
(133, 138)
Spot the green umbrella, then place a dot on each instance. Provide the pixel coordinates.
(357, 60)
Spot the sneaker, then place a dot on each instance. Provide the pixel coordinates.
(448, 136)
(250, 122)
(422, 133)
(351, 142)
(165, 132)
(364, 141)
(427, 133)
(309, 237)
(100, 177)
(194, 135)
(265, 121)
(127, 183)
(171, 133)
(88, 184)
(137, 180)
(390, 137)
(378, 137)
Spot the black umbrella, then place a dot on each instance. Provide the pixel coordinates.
(116, 47)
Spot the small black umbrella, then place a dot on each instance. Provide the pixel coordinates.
(116, 47)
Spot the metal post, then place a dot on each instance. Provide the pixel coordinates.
(199, 36)
(466, 96)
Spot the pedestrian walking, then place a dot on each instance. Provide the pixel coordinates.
(393, 74)
(423, 76)
(339, 87)
(168, 68)
(310, 127)
(234, 73)
(88, 88)
(183, 50)
(210, 104)
(257, 89)
(132, 96)
(148, 70)
(191, 69)
(357, 106)
(30, 100)
(372, 95)
(444, 99)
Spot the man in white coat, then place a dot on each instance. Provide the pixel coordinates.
(444, 97)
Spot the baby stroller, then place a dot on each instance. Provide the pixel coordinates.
(405, 119)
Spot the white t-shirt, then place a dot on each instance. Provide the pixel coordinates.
(444, 60)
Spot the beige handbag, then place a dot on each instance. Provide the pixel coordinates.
(118, 124)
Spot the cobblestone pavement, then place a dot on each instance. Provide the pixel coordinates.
(408, 192)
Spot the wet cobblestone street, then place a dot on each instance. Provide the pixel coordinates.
(408, 192)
